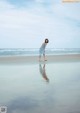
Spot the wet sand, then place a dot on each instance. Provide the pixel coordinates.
(34, 59)
(52, 87)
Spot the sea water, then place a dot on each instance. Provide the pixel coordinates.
(35, 51)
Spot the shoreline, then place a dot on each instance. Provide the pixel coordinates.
(34, 59)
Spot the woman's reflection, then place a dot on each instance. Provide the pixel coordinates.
(43, 72)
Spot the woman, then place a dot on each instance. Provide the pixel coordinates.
(42, 49)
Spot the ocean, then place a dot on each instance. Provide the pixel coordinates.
(35, 51)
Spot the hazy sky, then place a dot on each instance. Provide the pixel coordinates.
(26, 23)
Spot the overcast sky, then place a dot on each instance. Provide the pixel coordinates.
(26, 23)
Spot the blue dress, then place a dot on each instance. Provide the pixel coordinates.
(42, 49)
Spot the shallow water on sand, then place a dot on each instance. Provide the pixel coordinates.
(40, 88)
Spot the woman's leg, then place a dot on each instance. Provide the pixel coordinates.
(44, 56)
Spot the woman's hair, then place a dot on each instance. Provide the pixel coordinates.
(46, 40)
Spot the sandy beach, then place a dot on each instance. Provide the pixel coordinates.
(51, 87)
(34, 59)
